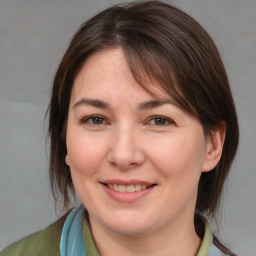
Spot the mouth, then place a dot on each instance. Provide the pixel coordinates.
(127, 189)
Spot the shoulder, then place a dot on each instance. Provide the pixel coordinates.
(41, 243)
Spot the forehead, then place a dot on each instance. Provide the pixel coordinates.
(108, 70)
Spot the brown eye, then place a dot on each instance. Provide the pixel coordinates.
(159, 120)
(97, 120)
(94, 120)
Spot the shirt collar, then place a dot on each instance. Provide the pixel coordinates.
(207, 241)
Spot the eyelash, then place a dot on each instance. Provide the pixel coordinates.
(89, 120)
(163, 120)
(167, 121)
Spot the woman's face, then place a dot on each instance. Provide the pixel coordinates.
(135, 160)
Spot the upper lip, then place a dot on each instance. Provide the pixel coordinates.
(127, 182)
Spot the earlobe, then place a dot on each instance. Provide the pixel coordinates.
(67, 160)
(214, 148)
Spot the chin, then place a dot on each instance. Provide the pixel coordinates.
(130, 230)
(129, 225)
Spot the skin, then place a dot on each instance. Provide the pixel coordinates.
(126, 142)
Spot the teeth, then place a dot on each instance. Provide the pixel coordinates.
(143, 187)
(122, 188)
(128, 189)
(138, 187)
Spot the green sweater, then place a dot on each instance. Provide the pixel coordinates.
(42, 243)
(47, 242)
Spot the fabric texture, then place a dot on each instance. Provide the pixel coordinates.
(90, 248)
(207, 247)
(47, 241)
(42, 243)
(72, 241)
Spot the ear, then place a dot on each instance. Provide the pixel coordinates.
(214, 146)
(67, 160)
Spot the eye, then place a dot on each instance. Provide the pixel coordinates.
(94, 120)
(160, 121)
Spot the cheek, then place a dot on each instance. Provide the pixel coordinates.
(86, 154)
(167, 154)
(179, 158)
(86, 157)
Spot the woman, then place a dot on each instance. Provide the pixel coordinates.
(143, 127)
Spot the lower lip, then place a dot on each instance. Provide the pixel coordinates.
(125, 197)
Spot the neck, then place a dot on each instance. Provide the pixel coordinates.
(180, 240)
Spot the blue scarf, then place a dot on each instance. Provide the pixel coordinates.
(72, 242)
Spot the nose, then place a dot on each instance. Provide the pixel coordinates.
(125, 152)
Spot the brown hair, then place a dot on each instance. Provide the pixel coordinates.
(165, 46)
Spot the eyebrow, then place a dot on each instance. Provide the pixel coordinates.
(142, 106)
(156, 103)
(92, 102)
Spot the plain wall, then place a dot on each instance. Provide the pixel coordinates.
(33, 37)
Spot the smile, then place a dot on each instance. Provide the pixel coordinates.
(127, 189)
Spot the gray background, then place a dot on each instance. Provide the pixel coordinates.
(33, 37)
